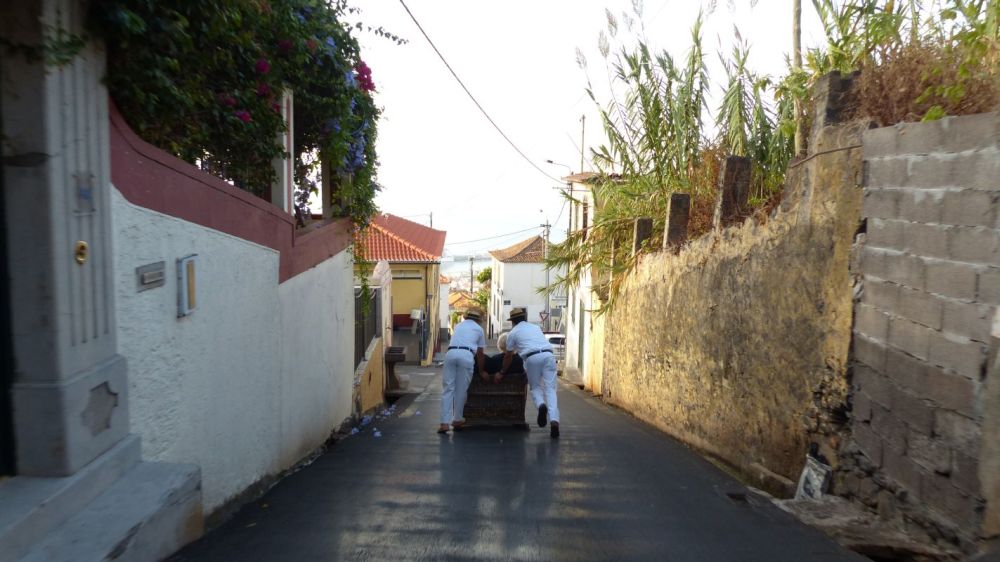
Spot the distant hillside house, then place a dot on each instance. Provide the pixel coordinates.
(413, 252)
(518, 274)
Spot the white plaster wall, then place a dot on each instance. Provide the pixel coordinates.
(317, 371)
(251, 381)
(443, 315)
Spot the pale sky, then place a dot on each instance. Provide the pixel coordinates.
(439, 154)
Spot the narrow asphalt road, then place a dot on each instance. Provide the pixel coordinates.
(611, 488)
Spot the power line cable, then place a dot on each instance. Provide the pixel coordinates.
(492, 237)
(473, 98)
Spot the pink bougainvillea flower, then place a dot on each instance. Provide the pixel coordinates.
(243, 115)
(312, 45)
(364, 76)
(262, 66)
(276, 107)
(263, 90)
(227, 100)
(285, 45)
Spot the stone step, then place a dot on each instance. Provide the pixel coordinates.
(148, 514)
(33, 507)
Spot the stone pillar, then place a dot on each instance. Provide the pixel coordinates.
(70, 390)
(678, 211)
(643, 230)
(831, 95)
(734, 190)
(283, 188)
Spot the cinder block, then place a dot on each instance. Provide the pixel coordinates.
(968, 320)
(962, 355)
(903, 269)
(869, 352)
(920, 138)
(945, 498)
(873, 262)
(920, 205)
(950, 390)
(871, 322)
(975, 244)
(903, 470)
(881, 203)
(874, 384)
(931, 171)
(869, 443)
(861, 406)
(977, 170)
(890, 428)
(886, 172)
(971, 132)
(944, 389)
(953, 279)
(928, 452)
(965, 473)
(962, 433)
(883, 295)
(913, 410)
(919, 306)
(926, 239)
(989, 286)
(969, 207)
(910, 337)
(905, 370)
(881, 142)
(884, 233)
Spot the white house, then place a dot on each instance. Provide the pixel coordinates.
(518, 274)
(581, 299)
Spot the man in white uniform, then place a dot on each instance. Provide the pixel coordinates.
(528, 341)
(465, 354)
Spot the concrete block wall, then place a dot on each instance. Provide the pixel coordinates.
(930, 264)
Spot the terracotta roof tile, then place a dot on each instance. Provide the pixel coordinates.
(531, 250)
(396, 239)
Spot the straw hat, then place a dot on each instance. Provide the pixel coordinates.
(518, 314)
(473, 314)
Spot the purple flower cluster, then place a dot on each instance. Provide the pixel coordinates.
(356, 157)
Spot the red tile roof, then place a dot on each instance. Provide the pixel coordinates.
(531, 250)
(395, 239)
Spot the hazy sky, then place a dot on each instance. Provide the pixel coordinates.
(439, 154)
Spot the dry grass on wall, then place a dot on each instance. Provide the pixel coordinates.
(893, 90)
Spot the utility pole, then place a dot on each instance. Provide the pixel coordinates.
(548, 295)
(797, 67)
(472, 280)
(432, 219)
(583, 129)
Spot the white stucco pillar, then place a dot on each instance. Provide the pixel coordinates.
(283, 188)
(70, 389)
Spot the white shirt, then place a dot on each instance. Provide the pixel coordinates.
(468, 334)
(525, 338)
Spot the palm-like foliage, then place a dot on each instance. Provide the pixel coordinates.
(658, 143)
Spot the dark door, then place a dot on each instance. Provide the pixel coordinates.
(6, 352)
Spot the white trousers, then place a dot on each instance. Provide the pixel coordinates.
(541, 370)
(458, 367)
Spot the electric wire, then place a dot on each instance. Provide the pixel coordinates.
(493, 237)
(473, 98)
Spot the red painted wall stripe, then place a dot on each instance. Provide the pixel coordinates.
(151, 178)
